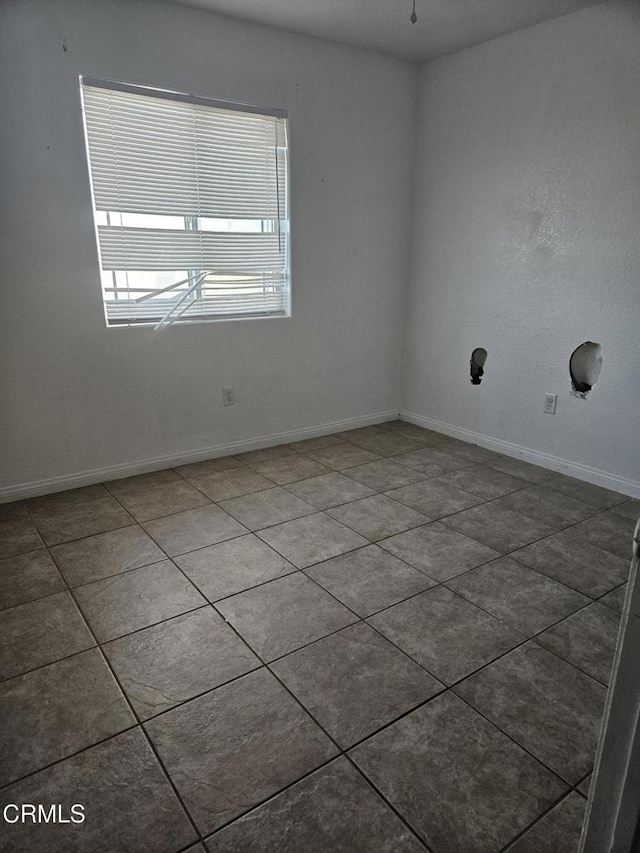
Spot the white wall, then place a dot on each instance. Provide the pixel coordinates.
(78, 396)
(527, 238)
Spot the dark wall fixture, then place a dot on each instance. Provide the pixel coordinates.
(478, 359)
(585, 365)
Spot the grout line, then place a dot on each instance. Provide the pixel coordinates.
(358, 621)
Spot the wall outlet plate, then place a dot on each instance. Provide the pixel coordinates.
(228, 398)
(550, 401)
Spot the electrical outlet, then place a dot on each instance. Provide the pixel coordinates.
(550, 401)
(227, 396)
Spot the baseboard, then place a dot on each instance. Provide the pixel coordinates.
(129, 469)
(527, 454)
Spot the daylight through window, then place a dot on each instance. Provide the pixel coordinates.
(190, 205)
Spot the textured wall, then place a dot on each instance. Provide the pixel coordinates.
(77, 396)
(526, 237)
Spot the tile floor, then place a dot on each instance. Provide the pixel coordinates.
(380, 640)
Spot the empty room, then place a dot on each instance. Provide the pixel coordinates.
(319, 426)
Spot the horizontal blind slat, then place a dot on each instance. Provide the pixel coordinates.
(163, 157)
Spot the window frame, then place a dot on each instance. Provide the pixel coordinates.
(283, 224)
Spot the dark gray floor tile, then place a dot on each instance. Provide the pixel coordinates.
(133, 485)
(458, 781)
(469, 451)
(332, 811)
(166, 664)
(283, 615)
(424, 436)
(319, 443)
(343, 456)
(266, 508)
(41, 632)
(233, 566)
(71, 496)
(329, 490)
(587, 640)
(439, 552)
(13, 511)
(265, 454)
(62, 524)
(164, 499)
(128, 803)
(377, 517)
(230, 749)
(222, 485)
(359, 432)
(608, 531)
(433, 461)
(26, 577)
(83, 705)
(384, 475)
(567, 557)
(517, 595)
(498, 527)
(290, 469)
(615, 598)
(629, 509)
(448, 635)
(124, 603)
(586, 492)
(545, 704)
(520, 469)
(106, 554)
(369, 579)
(208, 466)
(557, 832)
(18, 536)
(311, 539)
(484, 482)
(354, 682)
(434, 498)
(545, 504)
(386, 443)
(192, 529)
(584, 786)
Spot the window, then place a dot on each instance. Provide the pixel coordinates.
(190, 205)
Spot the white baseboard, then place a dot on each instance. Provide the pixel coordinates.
(129, 469)
(527, 454)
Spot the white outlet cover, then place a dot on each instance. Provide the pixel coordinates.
(550, 401)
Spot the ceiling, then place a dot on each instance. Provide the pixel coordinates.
(383, 25)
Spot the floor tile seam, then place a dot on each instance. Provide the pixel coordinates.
(565, 660)
(568, 786)
(297, 457)
(605, 594)
(313, 508)
(133, 716)
(513, 556)
(124, 695)
(389, 804)
(534, 822)
(341, 752)
(123, 572)
(583, 606)
(307, 711)
(534, 541)
(5, 786)
(481, 500)
(46, 546)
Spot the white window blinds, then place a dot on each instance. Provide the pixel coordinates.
(190, 201)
